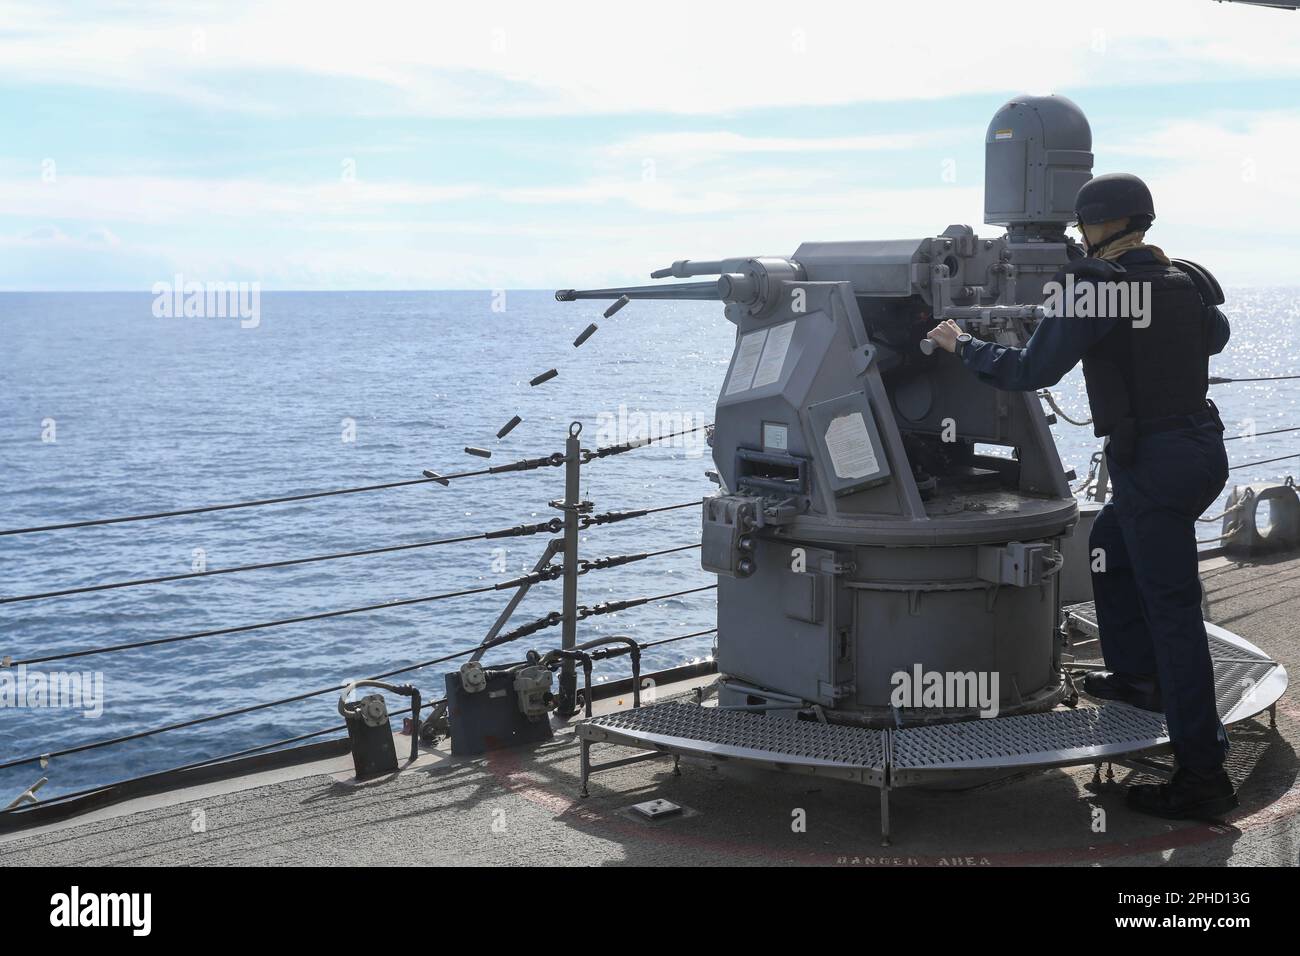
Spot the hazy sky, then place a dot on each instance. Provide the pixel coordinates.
(502, 145)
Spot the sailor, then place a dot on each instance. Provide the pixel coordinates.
(1146, 373)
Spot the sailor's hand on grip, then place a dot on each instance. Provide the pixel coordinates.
(943, 335)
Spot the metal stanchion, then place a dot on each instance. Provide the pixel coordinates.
(574, 508)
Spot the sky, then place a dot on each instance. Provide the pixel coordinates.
(491, 145)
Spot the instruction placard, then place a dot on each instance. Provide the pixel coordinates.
(747, 357)
(850, 448)
(774, 352)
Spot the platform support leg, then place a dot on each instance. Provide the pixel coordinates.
(1096, 775)
(1272, 715)
(884, 815)
(584, 762)
(677, 765)
(1110, 772)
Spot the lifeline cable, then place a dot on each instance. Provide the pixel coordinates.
(93, 522)
(593, 454)
(1265, 461)
(554, 526)
(320, 616)
(339, 728)
(388, 549)
(1219, 380)
(1276, 431)
(252, 708)
(103, 788)
(243, 628)
(553, 460)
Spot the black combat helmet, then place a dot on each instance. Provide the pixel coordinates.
(1113, 196)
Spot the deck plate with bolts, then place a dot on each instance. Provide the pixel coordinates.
(656, 809)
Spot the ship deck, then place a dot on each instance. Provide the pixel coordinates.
(523, 806)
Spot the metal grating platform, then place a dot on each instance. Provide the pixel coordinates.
(1233, 682)
(1246, 682)
(1065, 736)
(856, 753)
(1240, 668)
(1057, 737)
(1083, 618)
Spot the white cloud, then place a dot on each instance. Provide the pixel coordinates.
(52, 237)
(163, 199)
(523, 58)
(697, 147)
(1213, 206)
(1232, 173)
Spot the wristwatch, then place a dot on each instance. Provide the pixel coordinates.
(963, 340)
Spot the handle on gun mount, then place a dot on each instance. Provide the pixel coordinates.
(976, 317)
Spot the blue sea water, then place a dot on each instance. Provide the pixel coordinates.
(151, 414)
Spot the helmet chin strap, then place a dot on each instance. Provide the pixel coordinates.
(1135, 224)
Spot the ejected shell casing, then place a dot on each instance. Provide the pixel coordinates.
(621, 301)
(436, 477)
(587, 333)
(509, 427)
(546, 376)
(478, 452)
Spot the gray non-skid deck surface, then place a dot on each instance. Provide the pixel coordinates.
(522, 807)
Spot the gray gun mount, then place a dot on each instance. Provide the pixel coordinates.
(880, 507)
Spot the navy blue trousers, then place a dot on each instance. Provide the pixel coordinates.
(1146, 584)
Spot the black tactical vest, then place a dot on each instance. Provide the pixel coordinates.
(1158, 370)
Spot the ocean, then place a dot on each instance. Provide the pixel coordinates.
(107, 409)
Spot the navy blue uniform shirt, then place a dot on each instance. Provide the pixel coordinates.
(1056, 346)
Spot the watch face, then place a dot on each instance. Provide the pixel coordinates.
(964, 338)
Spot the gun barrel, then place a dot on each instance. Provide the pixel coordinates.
(705, 291)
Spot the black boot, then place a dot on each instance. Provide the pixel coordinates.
(1139, 692)
(1188, 796)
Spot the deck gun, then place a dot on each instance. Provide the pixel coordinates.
(879, 505)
